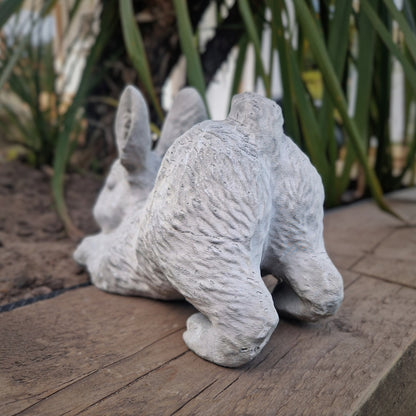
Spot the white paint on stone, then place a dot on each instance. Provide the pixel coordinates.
(232, 200)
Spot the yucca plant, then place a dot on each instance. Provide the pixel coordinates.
(38, 108)
(45, 120)
(334, 39)
(337, 39)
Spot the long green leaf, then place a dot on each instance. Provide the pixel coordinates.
(62, 150)
(322, 59)
(407, 10)
(259, 66)
(239, 67)
(26, 133)
(288, 99)
(7, 9)
(297, 93)
(251, 29)
(186, 38)
(409, 34)
(47, 7)
(338, 37)
(135, 48)
(73, 11)
(309, 123)
(408, 68)
(337, 51)
(365, 64)
(381, 108)
(7, 69)
(273, 44)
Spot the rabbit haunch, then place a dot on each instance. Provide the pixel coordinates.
(233, 199)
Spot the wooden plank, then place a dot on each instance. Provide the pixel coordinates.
(343, 260)
(51, 344)
(110, 379)
(392, 270)
(328, 367)
(404, 201)
(393, 259)
(90, 352)
(357, 229)
(399, 384)
(400, 245)
(354, 230)
(312, 368)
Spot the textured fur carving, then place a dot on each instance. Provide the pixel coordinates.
(110, 255)
(233, 199)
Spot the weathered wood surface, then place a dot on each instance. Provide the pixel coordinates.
(88, 352)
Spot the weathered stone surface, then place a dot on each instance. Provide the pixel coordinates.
(233, 199)
(133, 174)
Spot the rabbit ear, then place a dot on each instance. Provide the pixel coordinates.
(187, 110)
(132, 129)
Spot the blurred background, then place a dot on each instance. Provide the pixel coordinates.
(344, 73)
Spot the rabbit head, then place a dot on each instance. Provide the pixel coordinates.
(132, 174)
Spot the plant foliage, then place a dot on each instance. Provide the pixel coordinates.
(347, 49)
(337, 41)
(46, 121)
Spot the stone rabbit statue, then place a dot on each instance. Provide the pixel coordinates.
(129, 182)
(132, 175)
(233, 200)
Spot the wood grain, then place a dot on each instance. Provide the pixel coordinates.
(393, 270)
(358, 229)
(88, 352)
(49, 345)
(323, 368)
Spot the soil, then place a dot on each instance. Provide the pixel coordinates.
(35, 252)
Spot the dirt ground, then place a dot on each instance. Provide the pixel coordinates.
(35, 253)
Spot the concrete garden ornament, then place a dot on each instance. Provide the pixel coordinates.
(228, 202)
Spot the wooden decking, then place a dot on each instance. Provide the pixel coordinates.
(91, 353)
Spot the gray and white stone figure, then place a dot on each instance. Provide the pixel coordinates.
(233, 200)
